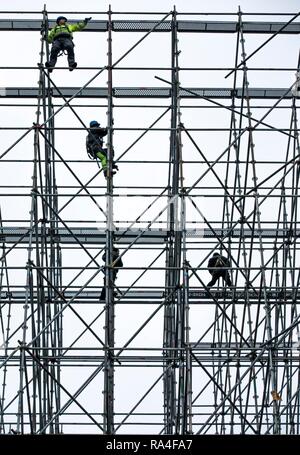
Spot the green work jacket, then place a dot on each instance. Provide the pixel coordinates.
(65, 29)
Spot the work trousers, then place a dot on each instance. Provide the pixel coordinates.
(61, 44)
(101, 154)
(220, 274)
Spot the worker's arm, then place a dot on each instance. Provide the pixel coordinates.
(226, 261)
(51, 35)
(102, 132)
(77, 27)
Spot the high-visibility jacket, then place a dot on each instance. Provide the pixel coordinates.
(65, 30)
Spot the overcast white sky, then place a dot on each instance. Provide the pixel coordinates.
(156, 5)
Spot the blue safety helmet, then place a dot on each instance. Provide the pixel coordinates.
(61, 17)
(94, 123)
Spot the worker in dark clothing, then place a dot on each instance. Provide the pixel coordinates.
(94, 146)
(217, 268)
(118, 263)
(62, 38)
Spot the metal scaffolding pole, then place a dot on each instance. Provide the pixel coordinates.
(109, 281)
(173, 251)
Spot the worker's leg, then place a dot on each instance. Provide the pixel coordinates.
(103, 160)
(215, 277)
(69, 46)
(115, 273)
(114, 165)
(55, 49)
(227, 279)
(103, 292)
(113, 276)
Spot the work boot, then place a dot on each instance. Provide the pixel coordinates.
(72, 66)
(47, 65)
(105, 173)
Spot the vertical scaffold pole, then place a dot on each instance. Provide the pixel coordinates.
(52, 254)
(271, 372)
(172, 278)
(109, 284)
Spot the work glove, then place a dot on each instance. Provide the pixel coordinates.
(114, 166)
(87, 19)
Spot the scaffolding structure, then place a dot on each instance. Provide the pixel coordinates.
(163, 354)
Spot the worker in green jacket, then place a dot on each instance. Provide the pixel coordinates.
(94, 146)
(62, 38)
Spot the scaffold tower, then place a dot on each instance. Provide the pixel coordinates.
(201, 112)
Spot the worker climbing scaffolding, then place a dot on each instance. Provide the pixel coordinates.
(217, 267)
(117, 263)
(62, 38)
(94, 146)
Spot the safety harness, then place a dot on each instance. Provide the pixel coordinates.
(97, 141)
